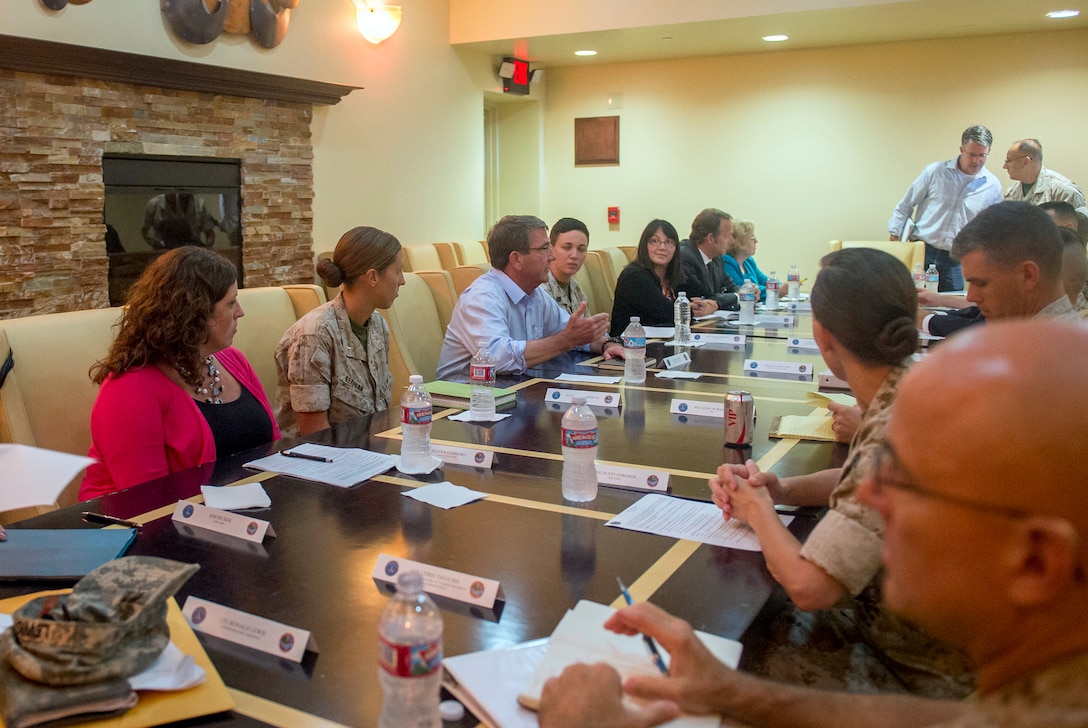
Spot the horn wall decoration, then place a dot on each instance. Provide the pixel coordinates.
(202, 21)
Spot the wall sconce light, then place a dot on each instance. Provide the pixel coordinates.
(376, 21)
(506, 70)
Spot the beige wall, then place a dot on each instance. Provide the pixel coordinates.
(812, 145)
(405, 153)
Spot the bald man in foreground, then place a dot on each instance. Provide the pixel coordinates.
(986, 547)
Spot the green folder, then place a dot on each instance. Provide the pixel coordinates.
(455, 394)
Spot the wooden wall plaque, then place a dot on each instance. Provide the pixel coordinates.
(597, 140)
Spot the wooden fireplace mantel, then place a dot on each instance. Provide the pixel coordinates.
(42, 56)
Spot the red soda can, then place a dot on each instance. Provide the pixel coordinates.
(740, 418)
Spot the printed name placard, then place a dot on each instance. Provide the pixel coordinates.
(463, 456)
(676, 360)
(755, 367)
(231, 524)
(796, 343)
(600, 399)
(737, 339)
(797, 305)
(699, 407)
(248, 630)
(466, 588)
(621, 476)
(773, 320)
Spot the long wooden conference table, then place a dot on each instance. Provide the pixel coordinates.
(546, 553)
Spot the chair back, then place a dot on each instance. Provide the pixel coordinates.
(603, 286)
(631, 251)
(464, 275)
(449, 255)
(270, 311)
(593, 305)
(445, 295)
(416, 333)
(474, 253)
(421, 257)
(908, 251)
(616, 262)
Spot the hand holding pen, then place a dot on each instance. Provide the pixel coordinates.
(649, 640)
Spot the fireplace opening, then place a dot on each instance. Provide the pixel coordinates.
(155, 203)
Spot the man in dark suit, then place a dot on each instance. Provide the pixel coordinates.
(701, 257)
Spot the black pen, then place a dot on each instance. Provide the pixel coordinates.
(90, 517)
(304, 456)
(649, 640)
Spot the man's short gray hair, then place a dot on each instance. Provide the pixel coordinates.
(977, 134)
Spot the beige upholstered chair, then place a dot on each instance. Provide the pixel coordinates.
(449, 255)
(269, 313)
(464, 275)
(443, 292)
(592, 304)
(600, 280)
(631, 251)
(474, 253)
(416, 331)
(910, 252)
(421, 257)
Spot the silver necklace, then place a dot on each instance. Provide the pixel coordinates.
(211, 392)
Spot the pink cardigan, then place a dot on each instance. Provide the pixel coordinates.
(144, 426)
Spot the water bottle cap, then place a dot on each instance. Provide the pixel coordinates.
(415, 379)
(451, 711)
(578, 399)
(635, 319)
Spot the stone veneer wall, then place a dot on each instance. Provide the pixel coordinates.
(53, 133)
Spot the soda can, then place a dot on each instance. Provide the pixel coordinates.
(740, 418)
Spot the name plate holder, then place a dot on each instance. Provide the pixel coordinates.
(730, 340)
(246, 528)
(677, 360)
(622, 476)
(778, 369)
(598, 399)
(466, 593)
(698, 407)
(248, 630)
(452, 455)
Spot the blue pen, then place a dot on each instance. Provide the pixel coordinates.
(649, 640)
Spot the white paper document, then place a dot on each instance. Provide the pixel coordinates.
(678, 375)
(31, 476)
(587, 379)
(445, 494)
(236, 497)
(692, 520)
(467, 416)
(350, 465)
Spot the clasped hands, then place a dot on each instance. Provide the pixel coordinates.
(741, 491)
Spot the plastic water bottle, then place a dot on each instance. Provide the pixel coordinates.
(415, 427)
(793, 280)
(933, 278)
(747, 296)
(681, 317)
(481, 373)
(634, 349)
(410, 657)
(772, 291)
(579, 452)
(918, 273)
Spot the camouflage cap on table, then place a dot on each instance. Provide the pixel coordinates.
(113, 624)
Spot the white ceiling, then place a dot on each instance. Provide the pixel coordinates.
(875, 23)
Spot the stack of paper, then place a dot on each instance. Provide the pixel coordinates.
(347, 466)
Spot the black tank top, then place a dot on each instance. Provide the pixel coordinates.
(237, 425)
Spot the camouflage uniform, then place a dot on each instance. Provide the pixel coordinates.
(829, 648)
(322, 365)
(568, 299)
(1055, 697)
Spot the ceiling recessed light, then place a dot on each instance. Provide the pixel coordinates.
(585, 53)
(775, 38)
(1063, 14)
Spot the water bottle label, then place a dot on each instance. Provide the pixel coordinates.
(579, 439)
(478, 373)
(746, 297)
(410, 660)
(772, 286)
(416, 415)
(634, 342)
(793, 277)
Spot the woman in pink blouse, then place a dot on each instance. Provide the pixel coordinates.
(175, 394)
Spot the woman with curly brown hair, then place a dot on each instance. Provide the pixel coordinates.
(175, 394)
